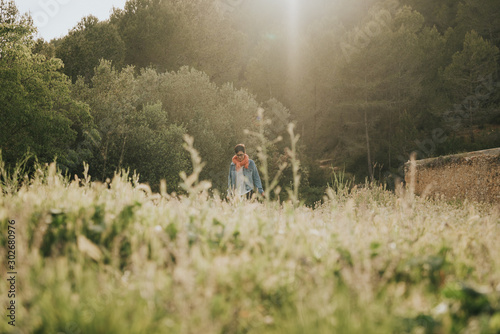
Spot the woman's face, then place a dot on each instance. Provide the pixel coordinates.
(240, 155)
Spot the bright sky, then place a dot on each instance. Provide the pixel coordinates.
(54, 18)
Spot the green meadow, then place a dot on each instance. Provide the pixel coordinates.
(115, 257)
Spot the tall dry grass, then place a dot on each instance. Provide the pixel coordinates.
(116, 258)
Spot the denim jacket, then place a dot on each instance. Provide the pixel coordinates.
(252, 178)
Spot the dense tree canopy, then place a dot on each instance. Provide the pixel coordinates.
(86, 44)
(36, 111)
(141, 120)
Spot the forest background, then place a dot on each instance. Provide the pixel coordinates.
(366, 82)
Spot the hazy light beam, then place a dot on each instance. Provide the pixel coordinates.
(293, 40)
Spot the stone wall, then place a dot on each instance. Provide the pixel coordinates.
(473, 175)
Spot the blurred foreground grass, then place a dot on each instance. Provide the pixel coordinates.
(99, 258)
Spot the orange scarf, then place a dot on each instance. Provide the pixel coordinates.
(244, 162)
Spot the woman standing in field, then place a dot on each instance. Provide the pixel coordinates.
(243, 174)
